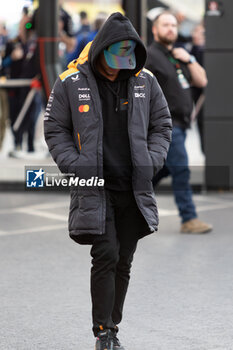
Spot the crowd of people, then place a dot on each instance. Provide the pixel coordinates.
(19, 60)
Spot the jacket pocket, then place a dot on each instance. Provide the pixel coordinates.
(84, 210)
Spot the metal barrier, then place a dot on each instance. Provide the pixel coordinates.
(9, 83)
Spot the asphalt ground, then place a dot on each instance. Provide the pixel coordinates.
(181, 290)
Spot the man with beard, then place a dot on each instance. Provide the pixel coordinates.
(176, 70)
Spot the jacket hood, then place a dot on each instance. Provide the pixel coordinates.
(116, 28)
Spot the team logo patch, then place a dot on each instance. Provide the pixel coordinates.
(83, 108)
(84, 89)
(84, 97)
(75, 78)
(140, 87)
(140, 94)
(123, 104)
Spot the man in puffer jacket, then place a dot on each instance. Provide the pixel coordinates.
(107, 118)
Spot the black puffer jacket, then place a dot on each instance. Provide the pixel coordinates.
(74, 131)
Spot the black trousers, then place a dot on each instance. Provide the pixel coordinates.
(112, 255)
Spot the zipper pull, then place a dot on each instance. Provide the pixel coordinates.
(117, 103)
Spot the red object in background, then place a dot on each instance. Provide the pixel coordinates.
(36, 84)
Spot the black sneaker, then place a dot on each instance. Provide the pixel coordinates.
(104, 340)
(116, 343)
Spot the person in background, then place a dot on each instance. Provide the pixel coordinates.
(3, 38)
(176, 71)
(65, 29)
(4, 106)
(85, 37)
(107, 117)
(198, 41)
(84, 23)
(183, 39)
(30, 70)
(21, 62)
(81, 38)
(12, 64)
(4, 113)
(66, 37)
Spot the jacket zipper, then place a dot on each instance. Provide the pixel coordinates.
(98, 108)
(129, 109)
(130, 105)
(79, 141)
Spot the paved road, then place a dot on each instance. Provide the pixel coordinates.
(181, 291)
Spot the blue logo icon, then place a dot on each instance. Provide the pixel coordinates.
(35, 178)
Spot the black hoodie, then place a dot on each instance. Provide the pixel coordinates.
(114, 99)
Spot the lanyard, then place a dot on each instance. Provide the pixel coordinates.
(174, 61)
(181, 77)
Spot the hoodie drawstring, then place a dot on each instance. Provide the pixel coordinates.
(116, 93)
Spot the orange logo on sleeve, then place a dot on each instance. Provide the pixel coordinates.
(83, 108)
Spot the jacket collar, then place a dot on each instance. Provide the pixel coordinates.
(162, 48)
(83, 57)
